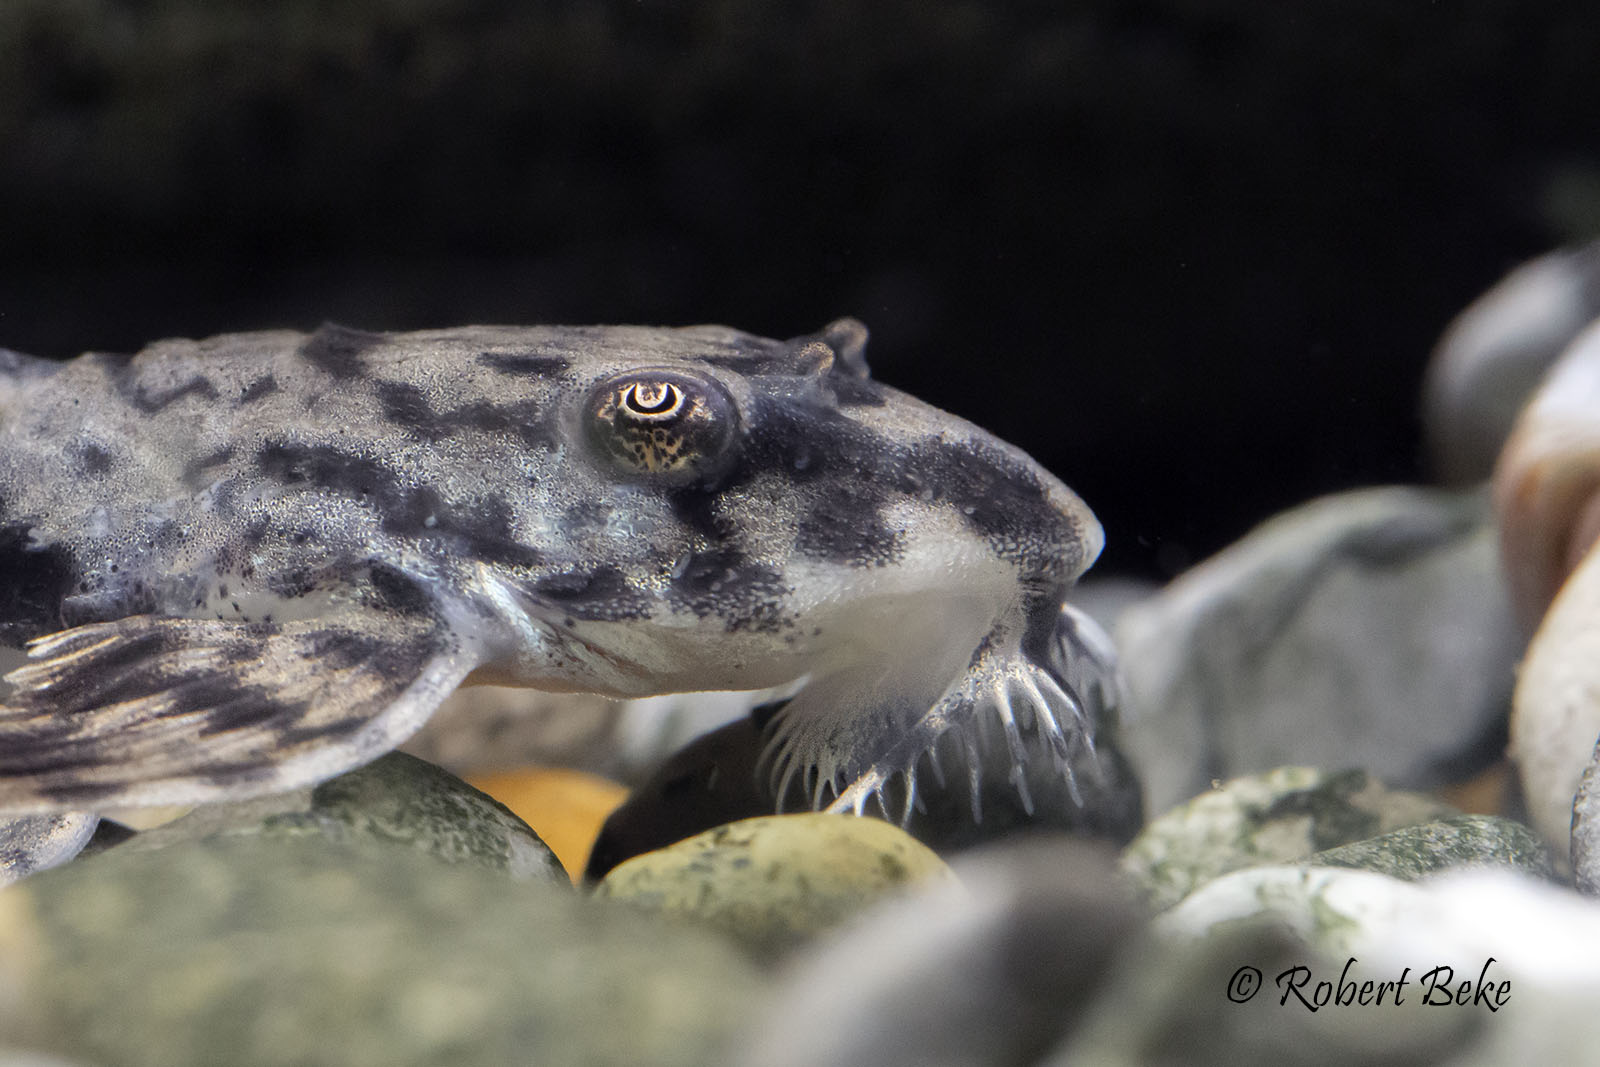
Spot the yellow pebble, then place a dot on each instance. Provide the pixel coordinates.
(776, 880)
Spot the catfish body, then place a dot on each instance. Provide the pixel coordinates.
(248, 563)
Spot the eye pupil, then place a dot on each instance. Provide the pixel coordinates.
(652, 398)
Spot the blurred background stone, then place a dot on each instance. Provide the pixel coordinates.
(991, 971)
(774, 882)
(1287, 814)
(273, 950)
(1367, 629)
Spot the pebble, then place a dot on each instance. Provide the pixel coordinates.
(1493, 354)
(274, 950)
(566, 808)
(397, 801)
(1367, 629)
(1556, 714)
(1184, 1002)
(1414, 852)
(1287, 814)
(775, 881)
(1547, 481)
(38, 842)
(1520, 943)
(988, 971)
(1585, 842)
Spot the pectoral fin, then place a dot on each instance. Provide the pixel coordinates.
(150, 710)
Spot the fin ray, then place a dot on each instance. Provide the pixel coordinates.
(153, 710)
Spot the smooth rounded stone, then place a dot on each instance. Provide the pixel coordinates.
(395, 801)
(774, 881)
(1287, 814)
(1367, 629)
(566, 808)
(1105, 597)
(1413, 852)
(1585, 844)
(709, 782)
(1520, 942)
(991, 970)
(32, 843)
(1555, 716)
(262, 950)
(1547, 481)
(1175, 1003)
(1493, 354)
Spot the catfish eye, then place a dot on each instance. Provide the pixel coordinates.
(664, 424)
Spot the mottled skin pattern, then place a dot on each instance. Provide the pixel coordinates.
(247, 563)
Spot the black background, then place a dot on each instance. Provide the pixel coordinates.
(1190, 255)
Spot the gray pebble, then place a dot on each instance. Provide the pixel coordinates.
(1367, 629)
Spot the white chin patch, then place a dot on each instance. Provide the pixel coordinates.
(851, 739)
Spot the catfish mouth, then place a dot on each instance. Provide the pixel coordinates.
(1008, 710)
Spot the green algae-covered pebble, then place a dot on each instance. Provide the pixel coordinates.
(1281, 816)
(249, 950)
(775, 880)
(396, 801)
(1413, 852)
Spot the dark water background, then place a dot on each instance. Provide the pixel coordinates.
(1191, 255)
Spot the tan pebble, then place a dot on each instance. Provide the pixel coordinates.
(1547, 481)
(22, 954)
(775, 880)
(1555, 716)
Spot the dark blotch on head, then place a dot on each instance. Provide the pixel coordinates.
(822, 450)
(93, 459)
(338, 350)
(398, 592)
(264, 386)
(603, 593)
(584, 518)
(997, 495)
(33, 582)
(722, 582)
(520, 420)
(194, 470)
(150, 401)
(846, 526)
(407, 406)
(295, 581)
(526, 366)
(696, 507)
(482, 531)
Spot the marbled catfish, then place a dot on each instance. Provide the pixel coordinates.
(248, 563)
